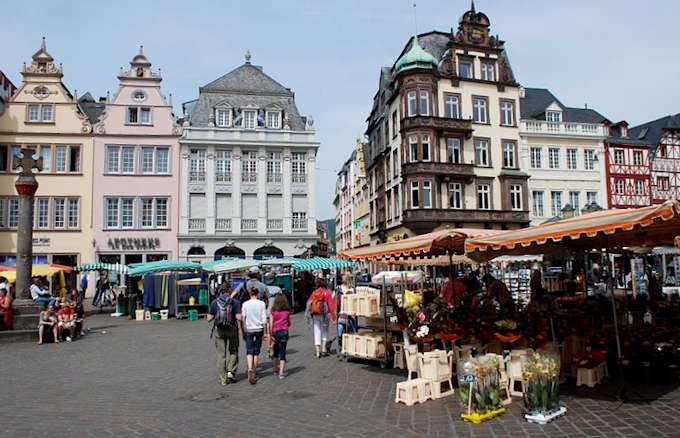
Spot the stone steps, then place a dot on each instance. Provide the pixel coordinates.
(25, 322)
(7, 336)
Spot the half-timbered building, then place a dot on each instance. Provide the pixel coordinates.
(627, 161)
(663, 136)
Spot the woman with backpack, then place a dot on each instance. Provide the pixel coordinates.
(280, 324)
(319, 313)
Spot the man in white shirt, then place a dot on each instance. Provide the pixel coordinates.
(254, 314)
(39, 295)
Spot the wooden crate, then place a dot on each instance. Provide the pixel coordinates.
(349, 304)
(368, 305)
(366, 290)
(348, 344)
(374, 346)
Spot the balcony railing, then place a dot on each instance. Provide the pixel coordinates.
(223, 224)
(222, 177)
(249, 177)
(299, 224)
(196, 224)
(452, 170)
(196, 177)
(442, 215)
(274, 177)
(444, 124)
(299, 178)
(545, 127)
(274, 224)
(248, 224)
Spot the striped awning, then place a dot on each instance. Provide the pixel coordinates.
(111, 267)
(433, 261)
(430, 244)
(233, 265)
(163, 266)
(316, 263)
(651, 226)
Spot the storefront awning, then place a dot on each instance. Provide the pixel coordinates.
(433, 261)
(608, 229)
(316, 263)
(10, 273)
(111, 267)
(233, 265)
(162, 266)
(435, 243)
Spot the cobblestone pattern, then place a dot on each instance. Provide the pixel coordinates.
(157, 379)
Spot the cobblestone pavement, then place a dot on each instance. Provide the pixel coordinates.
(128, 378)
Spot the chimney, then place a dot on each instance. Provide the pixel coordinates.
(522, 92)
(102, 99)
(586, 105)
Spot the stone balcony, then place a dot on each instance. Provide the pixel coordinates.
(542, 127)
(432, 217)
(451, 170)
(197, 225)
(442, 124)
(223, 224)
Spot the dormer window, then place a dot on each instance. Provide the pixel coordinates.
(138, 96)
(553, 116)
(274, 119)
(624, 131)
(249, 119)
(223, 117)
(488, 71)
(465, 69)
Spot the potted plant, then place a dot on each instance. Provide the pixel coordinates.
(479, 388)
(541, 373)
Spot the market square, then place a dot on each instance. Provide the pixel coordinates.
(393, 218)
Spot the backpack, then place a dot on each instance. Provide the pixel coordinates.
(318, 303)
(224, 318)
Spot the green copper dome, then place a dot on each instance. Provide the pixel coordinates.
(416, 57)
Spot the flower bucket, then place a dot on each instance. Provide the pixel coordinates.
(541, 372)
(479, 388)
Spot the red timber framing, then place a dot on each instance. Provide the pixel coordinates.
(628, 175)
(665, 181)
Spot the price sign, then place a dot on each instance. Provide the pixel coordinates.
(470, 378)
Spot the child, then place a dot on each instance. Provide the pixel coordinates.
(254, 313)
(280, 323)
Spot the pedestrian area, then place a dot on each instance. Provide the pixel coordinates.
(128, 378)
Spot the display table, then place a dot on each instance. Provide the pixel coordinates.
(183, 309)
(671, 290)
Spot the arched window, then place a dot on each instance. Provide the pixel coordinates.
(267, 253)
(230, 252)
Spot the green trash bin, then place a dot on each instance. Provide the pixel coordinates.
(121, 304)
(203, 296)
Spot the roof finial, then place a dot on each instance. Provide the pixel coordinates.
(43, 45)
(141, 49)
(415, 19)
(248, 56)
(472, 6)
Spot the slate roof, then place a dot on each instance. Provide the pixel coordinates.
(536, 100)
(243, 86)
(651, 132)
(92, 109)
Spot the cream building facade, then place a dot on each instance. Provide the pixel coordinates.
(443, 133)
(351, 202)
(44, 116)
(563, 149)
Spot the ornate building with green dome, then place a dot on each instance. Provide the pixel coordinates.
(442, 138)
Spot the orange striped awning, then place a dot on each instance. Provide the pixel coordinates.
(608, 229)
(430, 244)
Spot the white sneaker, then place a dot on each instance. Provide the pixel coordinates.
(68, 339)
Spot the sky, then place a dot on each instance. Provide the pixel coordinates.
(617, 56)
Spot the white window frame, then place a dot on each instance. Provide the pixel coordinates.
(109, 204)
(589, 159)
(509, 155)
(413, 148)
(412, 103)
(592, 197)
(142, 213)
(39, 113)
(575, 201)
(246, 120)
(453, 150)
(536, 157)
(121, 213)
(197, 165)
(484, 196)
(553, 116)
(638, 158)
(59, 213)
(471, 70)
(274, 167)
(639, 187)
(452, 106)
(554, 158)
(507, 113)
(427, 194)
(620, 186)
(273, 119)
(455, 195)
(42, 221)
(482, 150)
(299, 167)
(424, 102)
(425, 146)
(516, 197)
(538, 203)
(488, 71)
(131, 150)
(556, 208)
(223, 117)
(143, 160)
(480, 109)
(223, 165)
(619, 156)
(572, 159)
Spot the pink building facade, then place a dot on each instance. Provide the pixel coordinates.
(136, 169)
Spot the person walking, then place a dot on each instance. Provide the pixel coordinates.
(280, 325)
(319, 313)
(255, 322)
(243, 290)
(225, 312)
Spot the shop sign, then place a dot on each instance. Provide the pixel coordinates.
(134, 243)
(470, 378)
(41, 241)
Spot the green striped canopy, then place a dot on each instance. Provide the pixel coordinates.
(321, 263)
(234, 265)
(111, 267)
(163, 265)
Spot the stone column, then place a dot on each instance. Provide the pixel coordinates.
(26, 186)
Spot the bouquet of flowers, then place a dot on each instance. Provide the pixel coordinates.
(542, 374)
(478, 382)
(506, 331)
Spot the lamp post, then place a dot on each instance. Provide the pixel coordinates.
(26, 186)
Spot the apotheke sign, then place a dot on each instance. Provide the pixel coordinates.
(134, 243)
(41, 241)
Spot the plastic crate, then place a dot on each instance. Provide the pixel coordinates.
(369, 305)
(193, 315)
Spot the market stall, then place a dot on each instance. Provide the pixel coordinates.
(59, 286)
